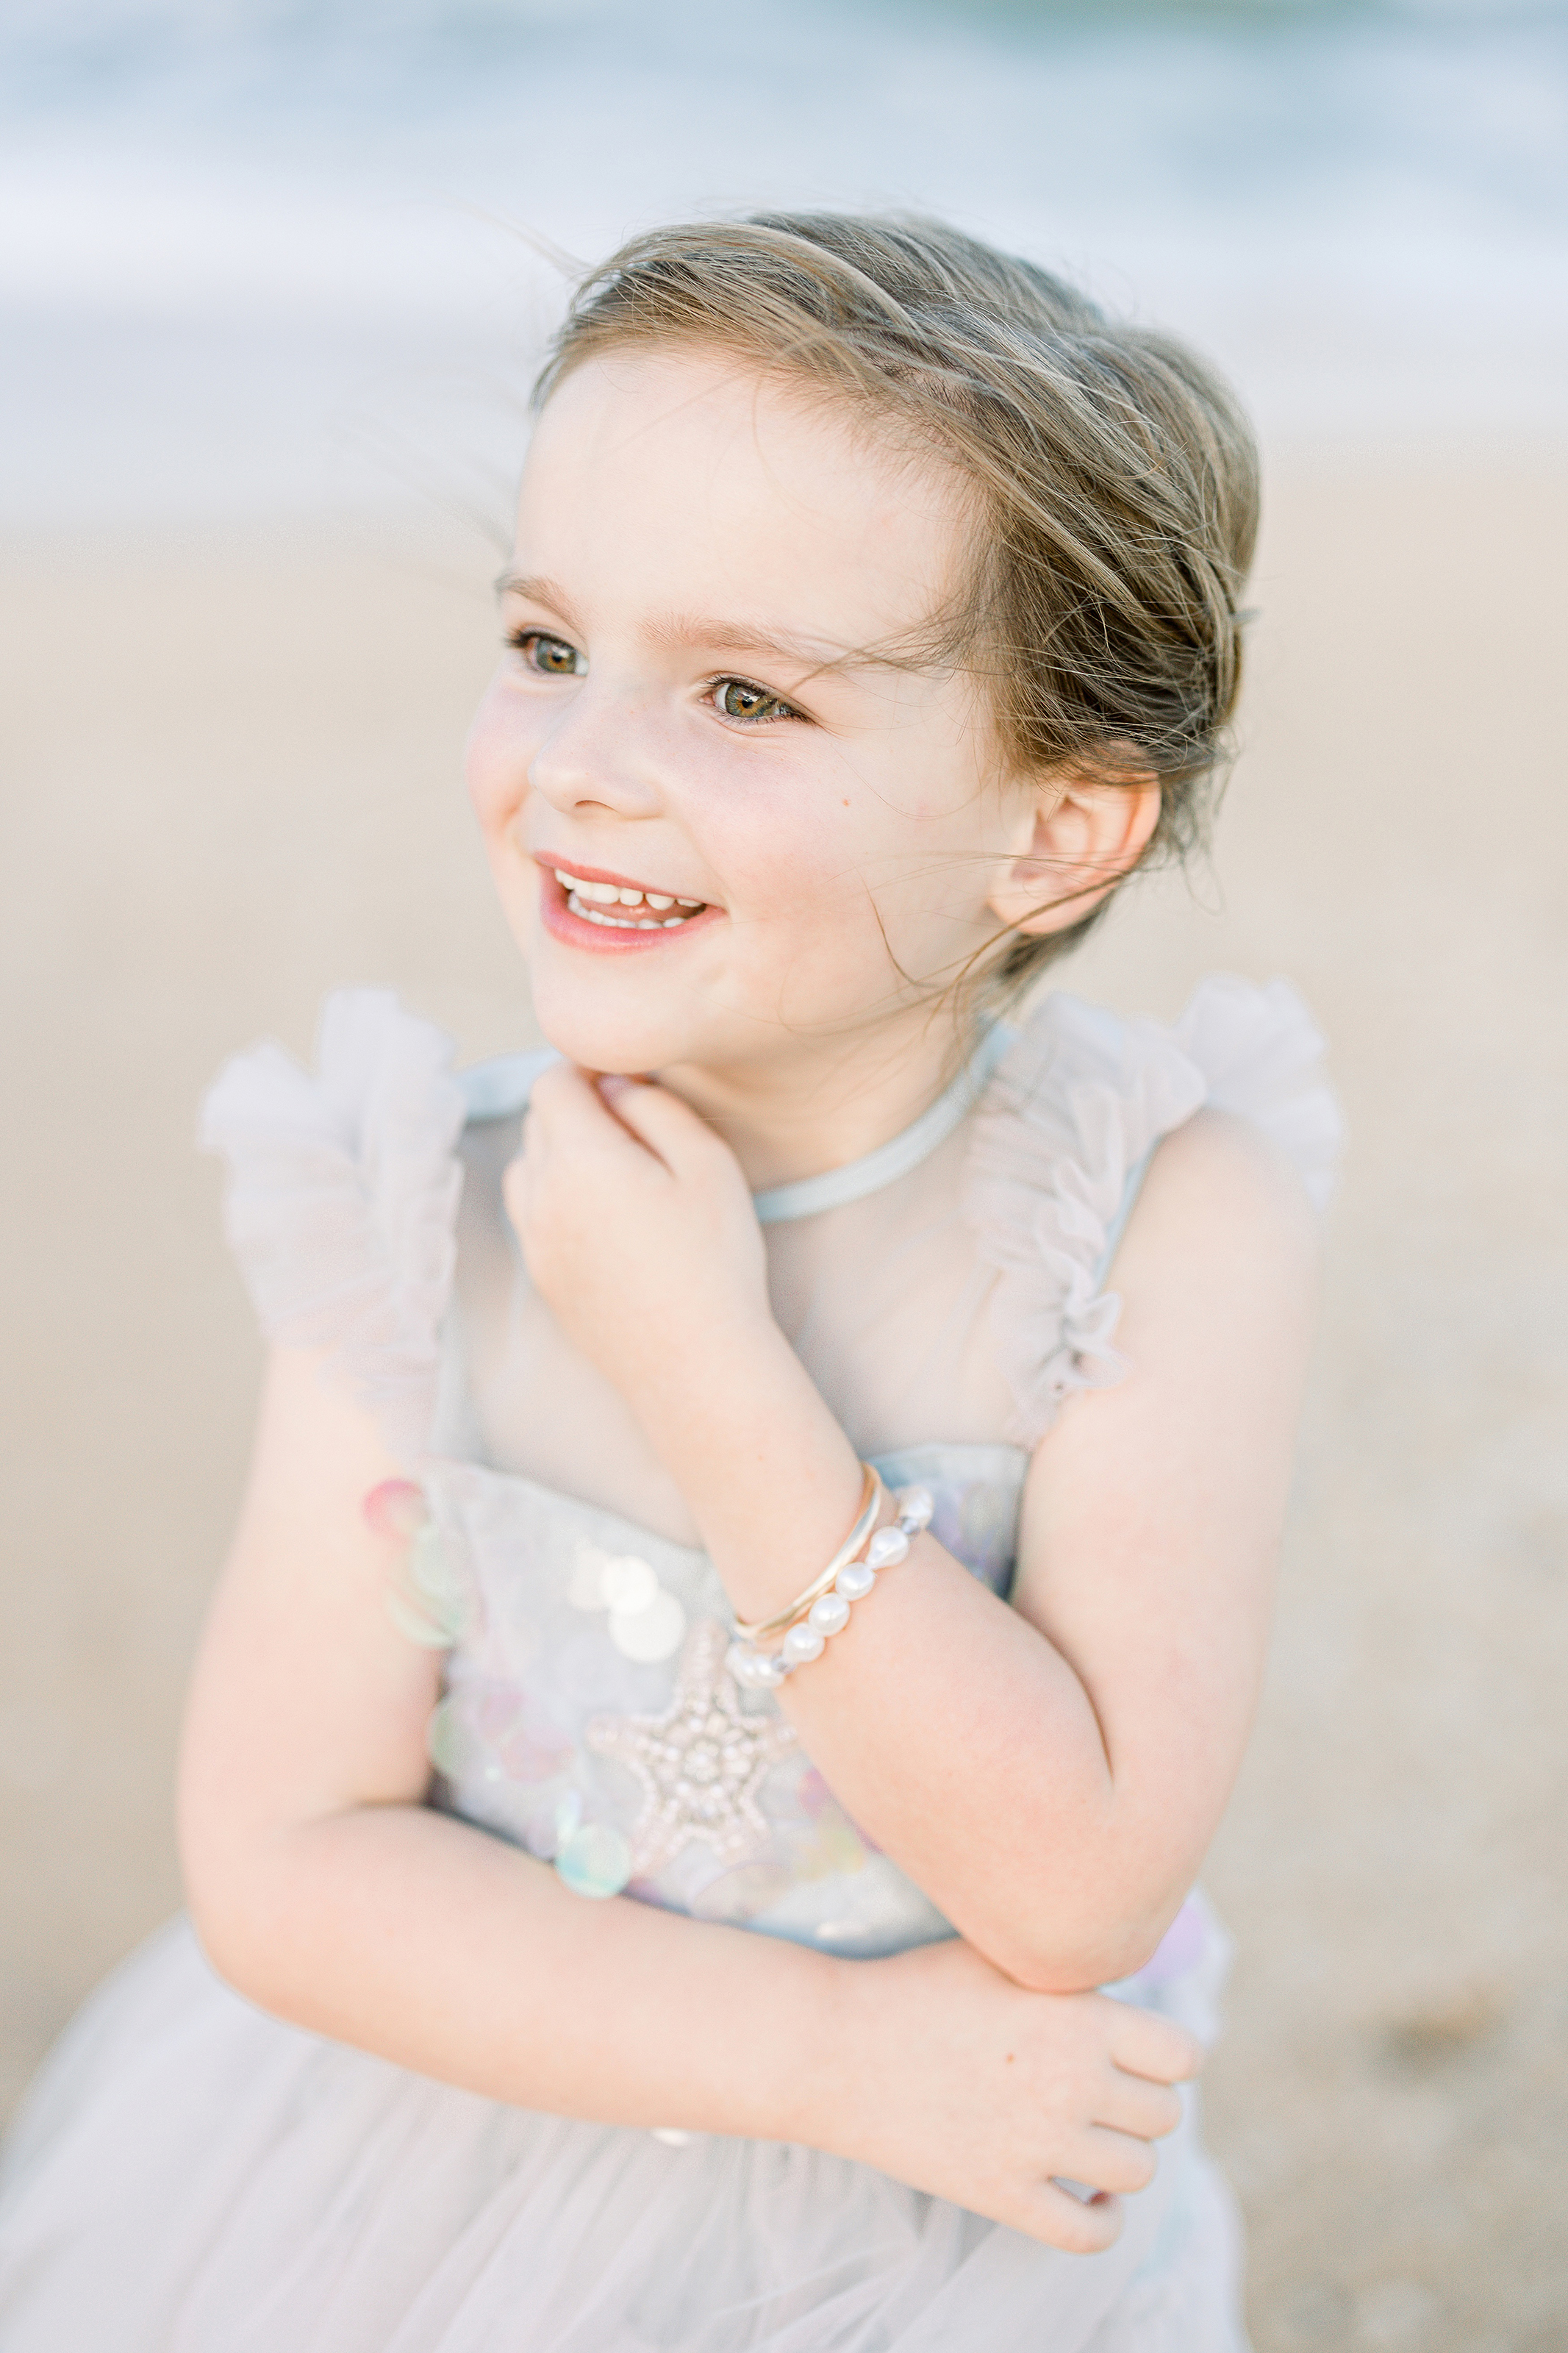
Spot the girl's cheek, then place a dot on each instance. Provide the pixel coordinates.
(496, 762)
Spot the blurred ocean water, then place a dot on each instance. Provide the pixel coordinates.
(259, 254)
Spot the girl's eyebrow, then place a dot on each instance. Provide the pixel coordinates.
(538, 590)
(688, 631)
(697, 631)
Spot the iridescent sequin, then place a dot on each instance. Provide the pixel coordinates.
(646, 1621)
(490, 1732)
(628, 1584)
(650, 1633)
(430, 1596)
(594, 1860)
(699, 1761)
(396, 1510)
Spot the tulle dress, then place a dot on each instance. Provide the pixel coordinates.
(192, 2176)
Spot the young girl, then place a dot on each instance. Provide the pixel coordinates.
(812, 1507)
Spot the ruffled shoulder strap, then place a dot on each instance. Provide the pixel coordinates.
(1261, 1056)
(1064, 1135)
(342, 1198)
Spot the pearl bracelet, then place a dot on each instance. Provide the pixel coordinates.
(828, 1614)
(872, 1496)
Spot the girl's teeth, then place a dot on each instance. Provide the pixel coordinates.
(580, 907)
(610, 894)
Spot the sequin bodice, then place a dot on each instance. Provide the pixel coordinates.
(588, 1716)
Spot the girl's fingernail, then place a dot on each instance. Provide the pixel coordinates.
(614, 1085)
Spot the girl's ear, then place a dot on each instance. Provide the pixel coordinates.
(1086, 836)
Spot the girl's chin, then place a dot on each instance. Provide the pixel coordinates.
(623, 1039)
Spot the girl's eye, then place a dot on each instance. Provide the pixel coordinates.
(734, 699)
(551, 656)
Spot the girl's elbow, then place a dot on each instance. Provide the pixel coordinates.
(1074, 1965)
(241, 1906)
(1059, 1956)
(237, 1933)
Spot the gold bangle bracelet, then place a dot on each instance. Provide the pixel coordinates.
(870, 1512)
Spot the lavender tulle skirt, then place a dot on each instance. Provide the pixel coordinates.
(190, 2175)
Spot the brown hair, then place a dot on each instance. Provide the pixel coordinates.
(1115, 476)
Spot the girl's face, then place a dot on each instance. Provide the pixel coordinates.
(724, 828)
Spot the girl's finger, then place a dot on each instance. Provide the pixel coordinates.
(669, 1127)
(1078, 2225)
(1116, 2160)
(562, 1090)
(1144, 2043)
(568, 1111)
(1130, 2103)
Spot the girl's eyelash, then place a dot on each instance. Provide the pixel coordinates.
(717, 687)
(520, 638)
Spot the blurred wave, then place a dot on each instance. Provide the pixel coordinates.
(255, 251)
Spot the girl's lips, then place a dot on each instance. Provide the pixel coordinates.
(641, 927)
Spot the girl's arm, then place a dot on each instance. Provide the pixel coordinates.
(327, 1891)
(1049, 1772)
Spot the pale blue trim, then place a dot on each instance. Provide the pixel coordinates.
(500, 1088)
(495, 1088)
(984, 1462)
(782, 1203)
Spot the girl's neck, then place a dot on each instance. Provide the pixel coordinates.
(820, 1103)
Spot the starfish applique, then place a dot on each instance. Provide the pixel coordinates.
(700, 1762)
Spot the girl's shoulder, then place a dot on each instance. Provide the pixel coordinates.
(1083, 1094)
(1066, 1131)
(343, 1184)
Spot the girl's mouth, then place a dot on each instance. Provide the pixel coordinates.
(587, 907)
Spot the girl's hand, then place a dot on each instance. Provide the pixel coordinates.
(640, 1232)
(637, 1228)
(955, 2080)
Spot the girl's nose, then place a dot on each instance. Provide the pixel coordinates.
(600, 753)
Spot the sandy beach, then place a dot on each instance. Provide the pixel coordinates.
(232, 782)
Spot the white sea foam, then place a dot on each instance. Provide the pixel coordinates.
(254, 255)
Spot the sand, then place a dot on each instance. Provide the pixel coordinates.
(231, 783)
